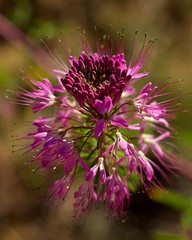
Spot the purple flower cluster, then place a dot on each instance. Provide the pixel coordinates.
(103, 127)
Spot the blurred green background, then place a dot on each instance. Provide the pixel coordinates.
(166, 215)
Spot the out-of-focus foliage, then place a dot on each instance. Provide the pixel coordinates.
(181, 203)
(23, 212)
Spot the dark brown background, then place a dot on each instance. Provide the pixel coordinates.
(23, 212)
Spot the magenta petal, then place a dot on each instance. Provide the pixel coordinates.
(39, 106)
(123, 144)
(83, 164)
(111, 185)
(58, 187)
(145, 164)
(100, 126)
(135, 69)
(45, 85)
(94, 195)
(99, 106)
(91, 173)
(58, 88)
(158, 149)
(104, 106)
(149, 171)
(108, 105)
(102, 174)
(146, 88)
(40, 135)
(132, 165)
(70, 164)
(109, 149)
(140, 75)
(118, 121)
(130, 90)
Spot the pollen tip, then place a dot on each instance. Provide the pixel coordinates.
(21, 72)
(100, 160)
(118, 134)
(42, 41)
(48, 36)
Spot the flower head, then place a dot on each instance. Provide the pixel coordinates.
(101, 126)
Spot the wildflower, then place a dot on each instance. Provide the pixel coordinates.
(116, 197)
(100, 126)
(41, 97)
(88, 192)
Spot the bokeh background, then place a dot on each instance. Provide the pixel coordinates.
(166, 215)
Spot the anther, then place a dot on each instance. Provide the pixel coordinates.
(113, 170)
(118, 134)
(100, 160)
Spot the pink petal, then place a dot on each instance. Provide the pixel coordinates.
(134, 69)
(158, 149)
(132, 165)
(40, 135)
(109, 149)
(146, 88)
(149, 171)
(118, 121)
(123, 144)
(140, 75)
(91, 173)
(102, 173)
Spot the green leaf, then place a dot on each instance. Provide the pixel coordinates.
(158, 235)
(186, 218)
(171, 198)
